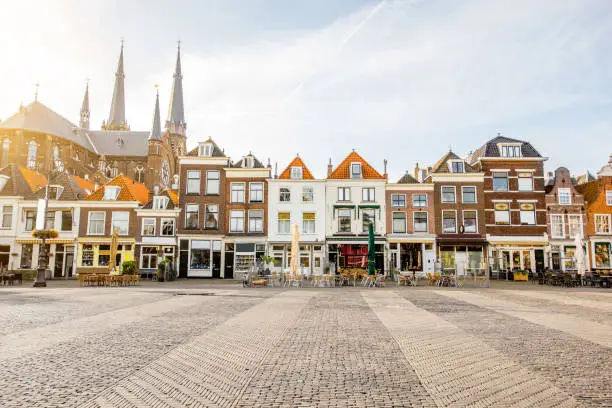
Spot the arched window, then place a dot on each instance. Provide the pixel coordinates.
(57, 159)
(115, 168)
(139, 174)
(6, 144)
(32, 147)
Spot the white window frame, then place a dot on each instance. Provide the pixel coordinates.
(144, 222)
(609, 198)
(279, 221)
(453, 162)
(368, 194)
(296, 173)
(161, 229)
(342, 192)
(149, 257)
(465, 231)
(602, 216)
(256, 183)
(160, 202)
(504, 211)
(420, 206)
(310, 222)
(287, 193)
(493, 173)
(393, 222)
(454, 195)
(208, 182)
(552, 229)
(111, 193)
(426, 221)
(89, 232)
(232, 200)
(463, 195)
(518, 181)
(207, 213)
(350, 217)
(189, 212)
(307, 191)
(443, 230)
(393, 200)
(535, 219)
(7, 215)
(232, 212)
(565, 191)
(127, 230)
(252, 218)
(190, 177)
(516, 150)
(356, 175)
(578, 225)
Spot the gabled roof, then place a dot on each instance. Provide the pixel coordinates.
(72, 191)
(217, 151)
(342, 171)
(407, 179)
(256, 163)
(22, 182)
(120, 142)
(441, 165)
(173, 194)
(297, 162)
(163, 193)
(34, 179)
(490, 149)
(84, 184)
(130, 190)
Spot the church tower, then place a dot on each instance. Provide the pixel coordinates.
(84, 121)
(160, 163)
(176, 127)
(116, 118)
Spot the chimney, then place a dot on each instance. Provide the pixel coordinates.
(385, 169)
(428, 172)
(275, 170)
(329, 167)
(417, 172)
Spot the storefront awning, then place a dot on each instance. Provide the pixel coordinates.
(106, 241)
(49, 241)
(410, 239)
(518, 243)
(369, 206)
(462, 241)
(347, 206)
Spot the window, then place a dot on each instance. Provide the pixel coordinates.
(54, 192)
(525, 181)
(200, 255)
(419, 200)
(237, 193)
(95, 224)
(457, 167)
(139, 174)
(557, 229)
(398, 200)
(30, 220)
(575, 225)
(609, 197)
(27, 251)
(448, 194)
(205, 149)
(296, 172)
(167, 228)
(468, 194)
(193, 181)
(368, 217)
(236, 221)
(87, 255)
(344, 220)
(420, 221)
(502, 213)
(510, 151)
(32, 147)
(344, 194)
(307, 194)
(564, 196)
(148, 258)
(192, 216)
(256, 191)
(285, 195)
(602, 224)
(449, 222)
(367, 194)
(256, 221)
(308, 223)
(527, 214)
(500, 181)
(399, 223)
(355, 170)
(7, 216)
(212, 181)
(160, 202)
(602, 254)
(111, 193)
(121, 221)
(148, 226)
(470, 222)
(284, 223)
(66, 220)
(50, 220)
(211, 219)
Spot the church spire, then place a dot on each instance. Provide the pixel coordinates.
(84, 123)
(156, 128)
(176, 113)
(116, 118)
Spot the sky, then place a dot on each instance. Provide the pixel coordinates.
(400, 80)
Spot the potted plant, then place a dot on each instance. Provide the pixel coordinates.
(268, 262)
(520, 275)
(45, 234)
(129, 268)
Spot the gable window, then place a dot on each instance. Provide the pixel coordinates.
(557, 229)
(193, 181)
(344, 220)
(32, 147)
(211, 219)
(237, 193)
(206, 149)
(470, 222)
(420, 221)
(468, 194)
(30, 220)
(525, 181)
(236, 221)
(212, 182)
(527, 214)
(95, 223)
(448, 194)
(510, 151)
(356, 170)
(66, 220)
(457, 167)
(120, 221)
(398, 200)
(399, 223)
(296, 172)
(602, 223)
(419, 200)
(609, 197)
(564, 195)
(500, 181)
(344, 194)
(367, 194)
(308, 223)
(167, 227)
(284, 223)
(111, 193)
(502, 213)
(160, 202)
(368, 217)
(256, 221)
(7, 216)
(285, 195)
(148, 258)
(192, 216)
(256, 192)
(307, 194)
(449, 222)
(148, 226)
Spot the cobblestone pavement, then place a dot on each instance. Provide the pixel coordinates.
(213, 345)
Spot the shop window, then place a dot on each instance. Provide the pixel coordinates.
(564, 196)
(212, 182)
(474, 258)
(308, 223)
(167, 227)
(256, 192)
(602, 254)
(256, 221)
(148, 257)
(447, 257)
(200, 255)
(66, 220)
(344, 220)
(368, 217)
(398, 200)
(525, 181)
(569, 258)
(193, 182)
(468, 194)
(399, 223)
(148, 226)
(527, 214)
(307, 194)
(285, 195)
(7, 216)
(556, 226)
(449, 222)
(104, 255)
(470, 222)
(526, 260)
(121, 222)
(192, 216)
(284, 223)
(212, 217)
(500, 181)
(87, 255)
(448, 194)
(27, 251)
(502, 213)
(237, 193)
(236, 221)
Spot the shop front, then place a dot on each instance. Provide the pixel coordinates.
(61, 256)
(353, 253)
(200, 258)
(412, 254)
(151, 251)
(311, 257)
(241, 256)
(463, 257)
(507, 255)
(94, 255)
(562, 257)
(601, 250)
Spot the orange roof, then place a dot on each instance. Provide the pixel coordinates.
(297, 162)
(342, 171)
(84, 184)
(35, 180)
(173, 194)
(130, 190)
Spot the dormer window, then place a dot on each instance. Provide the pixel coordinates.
(206, 149)
(111, 193)
(248, 162)
(510, 150)
(457, 166)
(160, 202)
(296, 172)
(356, 171)
(55, 192)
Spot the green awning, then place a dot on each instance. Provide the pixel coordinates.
(350, 207)
(370, 206)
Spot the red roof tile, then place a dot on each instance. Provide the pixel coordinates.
(35, 180)
(342, 171)
(297, 162)
(130, 190)
(84, 184)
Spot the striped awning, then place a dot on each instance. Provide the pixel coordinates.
(105, 240)
(48, 241)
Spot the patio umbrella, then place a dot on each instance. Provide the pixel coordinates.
(579, 254)
(295, 251)
(113, 250)
(371, 251)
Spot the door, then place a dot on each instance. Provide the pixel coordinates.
(68, 265)
(216, 264)
(229, 265)
(460, 261)
(429, 262)
(539, 260)
(183, 263)
(58, 271)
